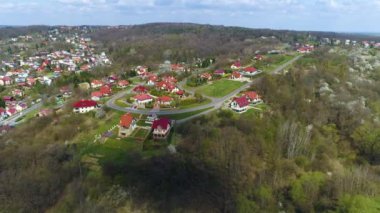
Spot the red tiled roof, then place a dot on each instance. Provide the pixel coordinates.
(105, 90)
(162, 123)
(219, 72)
(97, 82)
(250, 69)
(85, 103)
(180, 92)
(241, 101)
(126, 120)
(237, 64)
(123, 83)
(140, 88)
(97, 94)
(142, 97)
(165, 99)
(251, 95)
(236, 74)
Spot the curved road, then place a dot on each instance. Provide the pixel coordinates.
(216, 103)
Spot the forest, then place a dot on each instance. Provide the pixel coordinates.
(315, 149)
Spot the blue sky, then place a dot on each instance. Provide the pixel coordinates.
(324, 15)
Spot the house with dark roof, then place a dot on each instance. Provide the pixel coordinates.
(126, 125)
(161, 128)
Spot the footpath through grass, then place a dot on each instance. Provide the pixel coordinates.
(220, 88)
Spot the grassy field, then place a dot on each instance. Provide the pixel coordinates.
(192, 105)
(121, 103)
(186, 115)
(220, 88)
(278, 61)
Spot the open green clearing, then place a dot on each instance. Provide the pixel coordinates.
(278, 60)
(220, 88)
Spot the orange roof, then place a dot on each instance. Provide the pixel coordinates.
(251, 95)
(126, 120)
(165, 99)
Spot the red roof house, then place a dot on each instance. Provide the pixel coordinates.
(240, 104)
(236, 75)
(236, 65)
(140, 89)
(161, 128)
(122, 83)
(84, 106)
(165, 100)
(106, 90)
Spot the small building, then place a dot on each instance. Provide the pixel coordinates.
(161, 128)
(96, 84)
(207, 76)
(96, 96)
(140, 89)
(127, 125)
(252, 97)
(142, 99)
(165, 100)
(220, 72)
(236, 75)
(122, 84)
(106, 90)
(239, 104)
(85, 106)
(236, 65)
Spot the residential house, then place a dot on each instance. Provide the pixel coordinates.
(17, 93)
(219, 72)
(96, 96)
(239, 104)
(45, 112)
(252, 97)
(236, 75)
(250, 71)
(140, 89)
(259, 57)
(21, 106)
(152, 80)
(3, 113)
(85, 106)
(161, 128)
(96, 84)
(180, 93)
(11, 111)
(207, 76)
(141, 70)
(127, 125)
(236, 65)
(177, 68)
(5, 81)
(106, 90)
(165, 100)
(122, 84)
(142, 99)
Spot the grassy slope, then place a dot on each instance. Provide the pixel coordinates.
(220, 88)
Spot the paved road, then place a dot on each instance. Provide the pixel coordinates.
(216, 103)
(13, 119)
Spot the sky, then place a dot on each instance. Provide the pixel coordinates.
(318, 15)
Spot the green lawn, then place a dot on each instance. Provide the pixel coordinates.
(186, 115)
(220, 88)
(121, 103)
(192, 105)
(140, 133)
(278, 61)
